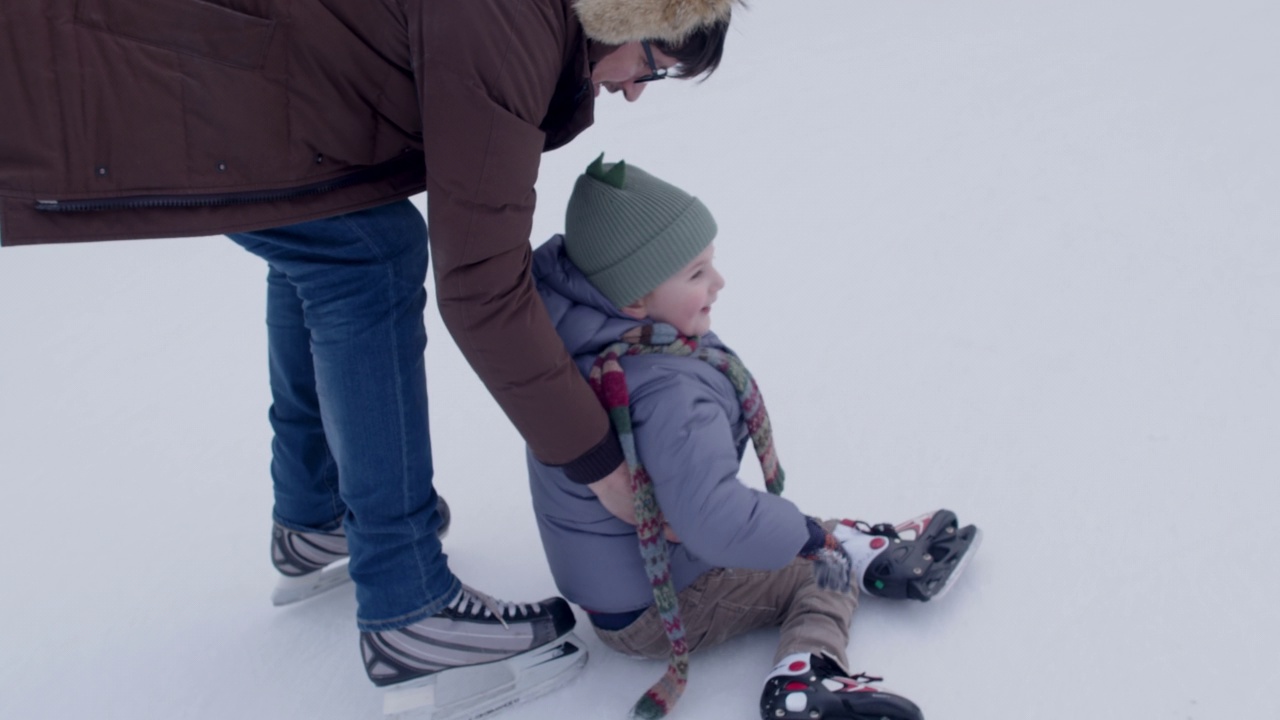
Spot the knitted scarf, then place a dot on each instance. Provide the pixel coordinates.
(610, 384)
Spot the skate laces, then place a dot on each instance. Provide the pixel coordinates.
(857, 679)
(473, 602)
(884, 529)
(825, 667)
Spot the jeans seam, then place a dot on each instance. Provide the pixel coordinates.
(392, 283)
(392, 243)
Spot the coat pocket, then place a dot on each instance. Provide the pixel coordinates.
(189, 27)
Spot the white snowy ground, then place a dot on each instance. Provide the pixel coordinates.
(1021, 260)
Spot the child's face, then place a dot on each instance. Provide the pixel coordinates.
(685, 299)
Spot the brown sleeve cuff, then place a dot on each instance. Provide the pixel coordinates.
(597, 462)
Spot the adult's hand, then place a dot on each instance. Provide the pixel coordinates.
(614, 492)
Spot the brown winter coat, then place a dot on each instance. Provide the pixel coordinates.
(172, 118)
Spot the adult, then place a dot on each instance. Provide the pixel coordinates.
(316, 120)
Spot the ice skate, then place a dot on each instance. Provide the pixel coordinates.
(805, 687)
(920, 559)
(476, 656)
(313, 562)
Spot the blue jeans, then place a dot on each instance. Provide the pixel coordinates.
(352, 446)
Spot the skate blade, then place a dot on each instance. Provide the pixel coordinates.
(293, 589)
(958, 570)
(476, 690)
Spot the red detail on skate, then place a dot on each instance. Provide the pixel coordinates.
(918, 524)
(847, 522)
(878, 543)
(852, 685)
(794, 685)
(798, 666)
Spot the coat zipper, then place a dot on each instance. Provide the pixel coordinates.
(149, 202)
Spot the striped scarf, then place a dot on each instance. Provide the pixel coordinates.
(610, 385)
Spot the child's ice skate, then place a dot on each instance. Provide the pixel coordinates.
(804, 687)
(919, 559)
(310, 563)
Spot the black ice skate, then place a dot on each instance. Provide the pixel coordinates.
(814, 687)
(920, 559)
(313, 562)
(474, 657)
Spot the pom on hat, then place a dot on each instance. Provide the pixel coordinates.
(615, 176)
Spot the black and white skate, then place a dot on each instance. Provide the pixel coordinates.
(476, 656)
(474, 691)
(309, 563)
(313, 562)
(920, 559)
(814, 687)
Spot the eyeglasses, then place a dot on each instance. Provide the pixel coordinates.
(655, 72)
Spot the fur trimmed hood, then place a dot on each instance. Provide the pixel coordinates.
(617, 22)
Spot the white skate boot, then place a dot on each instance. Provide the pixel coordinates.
(920, 559)
(805, 686)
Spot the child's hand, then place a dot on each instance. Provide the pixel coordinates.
(832, 566)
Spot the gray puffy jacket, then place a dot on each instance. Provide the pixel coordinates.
(690, 436)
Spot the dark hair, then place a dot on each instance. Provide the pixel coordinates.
(700, 53)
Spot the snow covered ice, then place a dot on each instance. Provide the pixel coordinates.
(1019, 260)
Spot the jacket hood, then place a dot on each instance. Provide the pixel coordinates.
(585, 319)
(617, 22)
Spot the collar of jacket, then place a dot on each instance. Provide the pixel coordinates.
(616, 22)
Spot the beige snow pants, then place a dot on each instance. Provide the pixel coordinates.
(726, 602)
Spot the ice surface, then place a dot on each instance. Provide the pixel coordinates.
(1019, 260)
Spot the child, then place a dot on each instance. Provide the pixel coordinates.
(635, 266)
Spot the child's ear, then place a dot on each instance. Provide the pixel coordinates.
(638, 310)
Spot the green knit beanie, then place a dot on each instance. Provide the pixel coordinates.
(628, 231)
